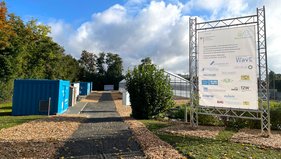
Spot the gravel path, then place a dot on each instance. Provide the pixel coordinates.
(102, 135)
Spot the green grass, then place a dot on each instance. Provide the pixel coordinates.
(221, 147)
(5, 109)
(154, 125)
(6, 120)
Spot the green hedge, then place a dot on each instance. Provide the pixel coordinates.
(150, 91)
(237, 123)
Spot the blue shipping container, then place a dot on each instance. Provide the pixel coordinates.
(31, 97)
(85, 88)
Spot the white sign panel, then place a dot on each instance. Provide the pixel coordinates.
(227, 68)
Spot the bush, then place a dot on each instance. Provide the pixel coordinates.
(150, 91)
(236, 123)
(6, 90)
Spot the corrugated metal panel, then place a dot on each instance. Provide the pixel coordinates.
(63, 96)
(89, 88)
(85, 88)
(29, 93)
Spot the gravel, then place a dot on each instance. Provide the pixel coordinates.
(152, 145)
(187, 130)
(253, 136)
(39, 138)
(102, 135)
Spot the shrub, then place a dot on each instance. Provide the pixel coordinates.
(150, 91)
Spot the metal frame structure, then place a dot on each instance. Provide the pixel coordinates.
(263, 113)
(180, 88)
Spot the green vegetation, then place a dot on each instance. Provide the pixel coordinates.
(102, 69)
(5, 109)
(154, 125)
(275, 111)
(220, 147)
(28, 52)
(150, 90)
(7, 121)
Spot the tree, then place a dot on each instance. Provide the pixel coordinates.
(88, 61)
(26, 51)
(114, 69)
(149, 89)
(271, 80)
(100, 64)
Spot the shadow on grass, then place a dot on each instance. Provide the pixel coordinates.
(5, 113)
(6, 107)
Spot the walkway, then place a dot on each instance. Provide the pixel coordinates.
(102, 135)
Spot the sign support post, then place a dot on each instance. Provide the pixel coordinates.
(247, 109)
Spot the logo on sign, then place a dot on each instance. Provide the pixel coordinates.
(244, 67)
(219, 101)
(245, 77)
(244, 59)
(228, 73)
(250, 67)
(227, 80)
(245, 88)
(209, 74)
(208, 96)
(209, 82)
(209, 69)
(218, 63)
(244, 34)
(205, 89)
(246, 103)
(229, 96)
(232, 102)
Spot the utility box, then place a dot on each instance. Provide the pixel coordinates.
(122, 86)
(38, 97)
(77, 90)
(85, 88)
(72, 96)
(108, 87)
(126, 98)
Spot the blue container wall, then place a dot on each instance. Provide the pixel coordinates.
(63, 96)
(84, 88)
(29, 93)
(89, 88)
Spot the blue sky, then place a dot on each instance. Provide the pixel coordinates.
(71, 11)
(140, 28)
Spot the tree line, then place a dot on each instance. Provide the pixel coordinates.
(27, 52)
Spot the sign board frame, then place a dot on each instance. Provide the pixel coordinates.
(262, 112)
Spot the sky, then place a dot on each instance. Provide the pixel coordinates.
(136, 29)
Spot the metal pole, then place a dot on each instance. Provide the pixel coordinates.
(267, 83)
(49, 106)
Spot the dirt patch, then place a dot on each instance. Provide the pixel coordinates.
(39, 138)
(152, 146)
(187, 130)
(93, 97)
(253, 136)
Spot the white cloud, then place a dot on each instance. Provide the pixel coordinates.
(158, 29)
(273, 17)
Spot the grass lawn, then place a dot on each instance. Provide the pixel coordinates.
(221, 147)
(6, 120)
